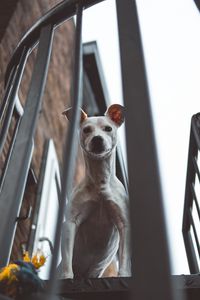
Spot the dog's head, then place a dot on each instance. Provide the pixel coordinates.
(98, 135)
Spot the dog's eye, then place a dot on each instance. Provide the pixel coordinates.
(108, 128)
(87, 129)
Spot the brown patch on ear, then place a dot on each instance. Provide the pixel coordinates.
(68, 114)
(116, 113)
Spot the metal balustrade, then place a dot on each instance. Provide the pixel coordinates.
(192, 202)
(151, 279)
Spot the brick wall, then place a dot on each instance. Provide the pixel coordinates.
(57, 92)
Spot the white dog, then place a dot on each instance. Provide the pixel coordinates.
(97, 219)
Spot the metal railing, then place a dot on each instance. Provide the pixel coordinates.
(17, 165)
(192, 202)
(149, 244)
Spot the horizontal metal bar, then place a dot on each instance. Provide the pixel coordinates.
(115, 288)
(71, 144)
(10, 99)
(11, 198)
(58, 14)
(195, 199)
(119, 288)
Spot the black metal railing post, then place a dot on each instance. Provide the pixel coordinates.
(149, 239)
(70, 149)
(191, 198)
(17, 171)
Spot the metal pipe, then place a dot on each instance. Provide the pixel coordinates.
(17, 171)
(149, 239)
(70, 146)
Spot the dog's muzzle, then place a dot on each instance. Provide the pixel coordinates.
(97, 145)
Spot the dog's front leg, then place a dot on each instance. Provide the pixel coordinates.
(124, 251)
(67, 246)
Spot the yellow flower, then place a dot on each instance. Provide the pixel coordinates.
(38, 259)
(8, 273)
(26, 257)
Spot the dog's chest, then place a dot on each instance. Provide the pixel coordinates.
(98, 213)
(98, 225)
(100, 216)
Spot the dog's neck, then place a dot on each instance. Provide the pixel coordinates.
(100, 171)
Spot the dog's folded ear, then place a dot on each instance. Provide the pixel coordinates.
(116, 113)
(68, 114)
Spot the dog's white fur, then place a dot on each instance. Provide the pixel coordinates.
(97, 224)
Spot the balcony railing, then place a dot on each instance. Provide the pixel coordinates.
(149, 243)
(192, 201)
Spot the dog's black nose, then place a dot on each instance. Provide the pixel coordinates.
(97, 145)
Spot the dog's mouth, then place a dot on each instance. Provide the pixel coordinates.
(99, 155)
(97, 148)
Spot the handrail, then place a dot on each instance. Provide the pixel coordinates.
(58, 14)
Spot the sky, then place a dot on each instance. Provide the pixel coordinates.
(170, 35)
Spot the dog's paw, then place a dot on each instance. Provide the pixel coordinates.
(67, 275)
(124, 273)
